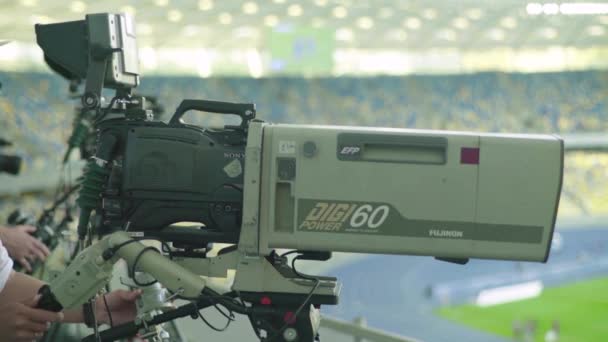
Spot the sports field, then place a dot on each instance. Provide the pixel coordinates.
(581, 309)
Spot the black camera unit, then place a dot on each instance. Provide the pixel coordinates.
(8, 163)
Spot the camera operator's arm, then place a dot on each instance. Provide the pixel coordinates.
(21, 288)
(21, 320)
(22, 246)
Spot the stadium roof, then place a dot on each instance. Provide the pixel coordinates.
(333, 37)
(360, 24)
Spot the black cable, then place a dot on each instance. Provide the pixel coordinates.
(130, 329)
(132, 269)
(198, 312)
(105, 111)
(288, 253)
(60, 183)
(75, 251)
(219, 299)
(304, 276)
(90, 235)
(308, 297)
(105, 302)
(109, 253)
(115, 249)
(229, 315)
(95, 324)
(164, 246)
(228, 301)
(58, 201)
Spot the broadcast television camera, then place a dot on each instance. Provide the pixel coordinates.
(48, 230)
(262, 186)
(9, 164)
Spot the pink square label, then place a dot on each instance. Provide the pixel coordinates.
(469, 155)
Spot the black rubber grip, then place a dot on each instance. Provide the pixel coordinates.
(118, 332)
(47, 300)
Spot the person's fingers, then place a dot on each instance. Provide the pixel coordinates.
(28, 229)
(42, 247)
(131, 295)
(23, 261)
(32, 259)
(36, 327)
(42, 316)
(38, 252)
(119, 294)
(128, 296)
(32, 301)
(25, 328)
(26, 335)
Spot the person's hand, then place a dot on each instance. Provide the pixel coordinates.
(121, 305)
(23, 247)
(22, 322)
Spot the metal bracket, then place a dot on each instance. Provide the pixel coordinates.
(217, 266)
(249, 239)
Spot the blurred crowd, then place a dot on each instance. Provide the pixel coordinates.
(37, 113)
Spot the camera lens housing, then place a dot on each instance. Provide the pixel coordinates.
(10, 164)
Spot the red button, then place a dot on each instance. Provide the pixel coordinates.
(469, 155)
(289, 317)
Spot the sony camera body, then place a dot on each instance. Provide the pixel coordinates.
(331, 188)
(9, 163)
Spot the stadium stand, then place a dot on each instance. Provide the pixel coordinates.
(36, 112)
